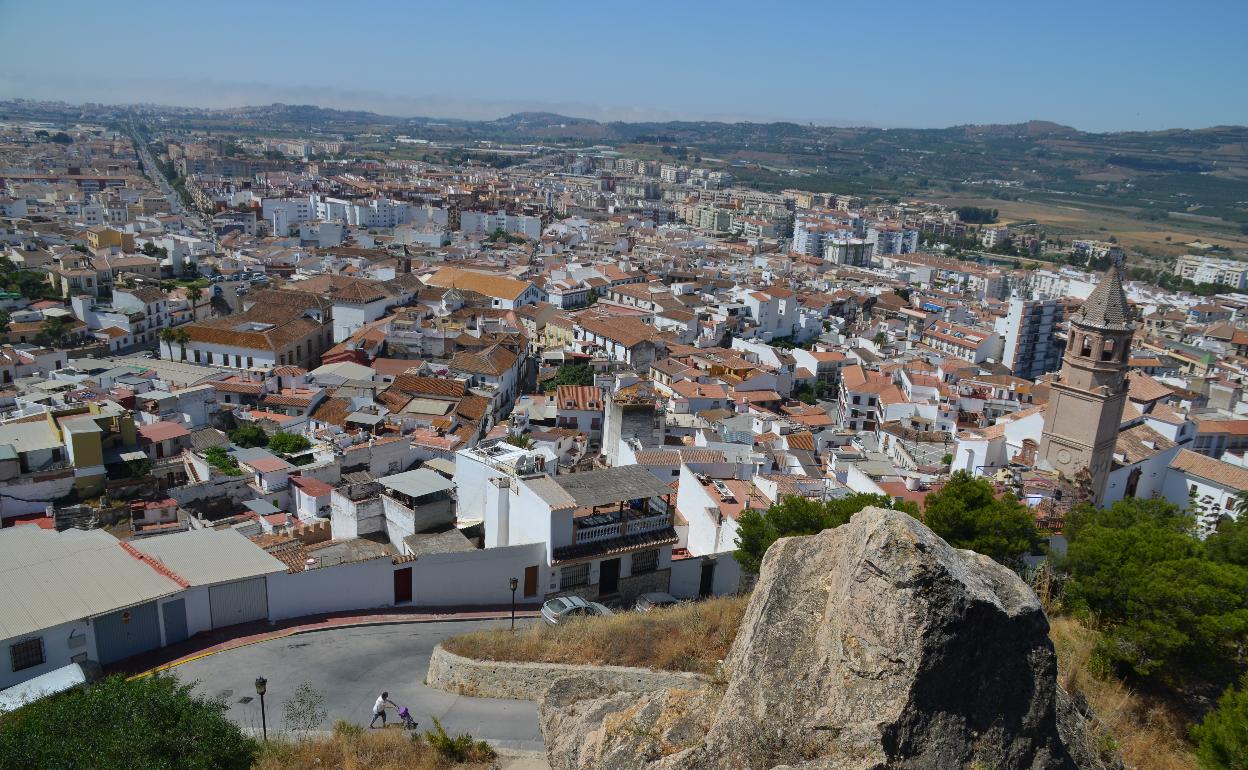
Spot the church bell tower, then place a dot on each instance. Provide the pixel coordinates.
(1084, 412)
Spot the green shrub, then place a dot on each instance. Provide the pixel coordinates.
(1222, 738)
(249, 436)
(288, 443)
(154, 722)
(461, 748)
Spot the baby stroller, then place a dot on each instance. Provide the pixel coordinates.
(406, 716)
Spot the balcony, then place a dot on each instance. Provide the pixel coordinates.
(608, 526)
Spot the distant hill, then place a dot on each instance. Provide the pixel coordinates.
(1154, 175)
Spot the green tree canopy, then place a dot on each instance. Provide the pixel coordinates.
(288, 443)
(757, 530)
(152, 722)
(968, 513)
(1222, 737)
(249, 436)
(53, 331)
(1169, 611)
(573, 374)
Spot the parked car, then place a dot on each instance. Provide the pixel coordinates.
(647, 602)
(557, 611)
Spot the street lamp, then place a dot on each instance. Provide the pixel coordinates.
(262, 684)
(514, 583)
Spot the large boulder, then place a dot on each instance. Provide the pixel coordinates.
(873, 645)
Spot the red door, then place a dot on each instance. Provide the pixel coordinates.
(403, 585)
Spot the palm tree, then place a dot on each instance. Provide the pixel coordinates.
(1241, 503)
(182, 336)
(195, 293)
(167, 336)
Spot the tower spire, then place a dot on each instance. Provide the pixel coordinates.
(1106, 307)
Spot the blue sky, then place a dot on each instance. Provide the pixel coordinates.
(1097, 64)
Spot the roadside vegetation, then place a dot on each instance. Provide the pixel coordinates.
(687, 637)
(159, 722)
(353, 747)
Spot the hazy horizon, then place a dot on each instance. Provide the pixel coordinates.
(1114, 66)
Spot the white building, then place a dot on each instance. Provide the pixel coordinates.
(484, 223)
(1030, 330)
(607, 533)
(1201, 269)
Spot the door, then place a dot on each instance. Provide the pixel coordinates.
(706, 582)
(239, 602)
(127, 632)
(609, 577)
(530, 582)
(174, 615)
(403, 585)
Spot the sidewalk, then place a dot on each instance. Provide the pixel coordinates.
(230, 638)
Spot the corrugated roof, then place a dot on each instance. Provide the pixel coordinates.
(416, 483)
(611, 485)
(48, 578)
(209, 556)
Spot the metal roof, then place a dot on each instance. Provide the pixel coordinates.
(416, 483)
(209, 556)
(441, 465)
(48, 578)
(612, 485)
(30, 436)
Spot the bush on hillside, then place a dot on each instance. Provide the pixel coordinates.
(151, 722)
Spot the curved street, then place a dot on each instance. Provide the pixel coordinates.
(351, 667)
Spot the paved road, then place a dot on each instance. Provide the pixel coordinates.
(351, 666)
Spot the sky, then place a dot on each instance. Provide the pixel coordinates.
(1097, 65)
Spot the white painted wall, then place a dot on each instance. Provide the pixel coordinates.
(353, 586)
(57, 651)
(475, 577)
(706, 534)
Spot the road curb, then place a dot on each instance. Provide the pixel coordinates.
(300, 630)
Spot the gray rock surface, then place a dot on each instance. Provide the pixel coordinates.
(874, 645)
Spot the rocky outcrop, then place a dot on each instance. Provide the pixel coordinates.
(873, 645)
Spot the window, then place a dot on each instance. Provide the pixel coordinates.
(573, 576)
(27, 654)
(645, 561)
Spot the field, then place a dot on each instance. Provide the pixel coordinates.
(1080, 219)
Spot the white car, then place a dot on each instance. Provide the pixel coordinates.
(557, 611)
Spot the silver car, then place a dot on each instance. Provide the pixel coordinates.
(557, 611)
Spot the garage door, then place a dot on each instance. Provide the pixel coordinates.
(240, 602)
(127, 632)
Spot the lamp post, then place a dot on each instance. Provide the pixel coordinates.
(262, 684)
(514, 583)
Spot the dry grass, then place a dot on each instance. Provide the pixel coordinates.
(354, 748)
(1081, 219)
(1146, 732)
(688, 637)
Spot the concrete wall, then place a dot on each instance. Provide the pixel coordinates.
(234, 488)
(32, 497)
(470, 578)
(357, 585)
(687, 576)
(529, 681)
(475, 577)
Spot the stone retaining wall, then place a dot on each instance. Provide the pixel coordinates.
(529, 681)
